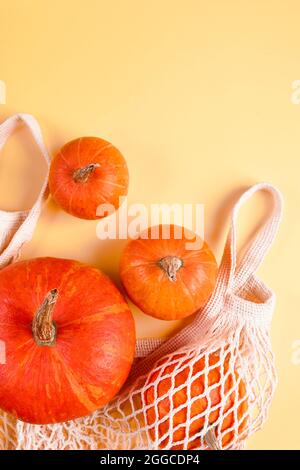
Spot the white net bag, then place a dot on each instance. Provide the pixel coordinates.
(208, 387)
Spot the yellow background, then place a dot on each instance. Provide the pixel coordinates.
(197, 96)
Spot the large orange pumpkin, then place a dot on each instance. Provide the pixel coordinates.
(207, 387)
(69, 337)
(165, 277)
(86, 173)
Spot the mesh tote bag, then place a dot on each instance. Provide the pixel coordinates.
(16, 228)
(209, 386)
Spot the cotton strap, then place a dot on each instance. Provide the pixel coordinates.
(17, 227)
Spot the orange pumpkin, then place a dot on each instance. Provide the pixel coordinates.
(69, 337)
(209, 390)
(165, 278)
(86, 173)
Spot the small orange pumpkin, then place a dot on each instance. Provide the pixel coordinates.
(207, 386)
(164, 277)
(86, 173)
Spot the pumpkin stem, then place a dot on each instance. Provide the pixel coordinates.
(81, 175)
(43, 327)
(171, 264)
(211, 440)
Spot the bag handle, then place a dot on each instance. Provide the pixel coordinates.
(21, 223)
(8, 127)
(233, 274)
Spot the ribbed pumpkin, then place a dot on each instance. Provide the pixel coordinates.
(69, 337)
(168, 389)
(86, 173)
(170, 276)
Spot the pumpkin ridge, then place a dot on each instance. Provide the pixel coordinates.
(98, 152)
(191, 259)
(66, 277)
(20, 346)
(199, 273)
(57, 189)
(29, 355)
(156, 254)
(117, 185)
(187, 289)
(134, 266)
(141, 289)
(94, 316)
(76, 385)
(71, 197)
(64, 159)
(158, 293)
